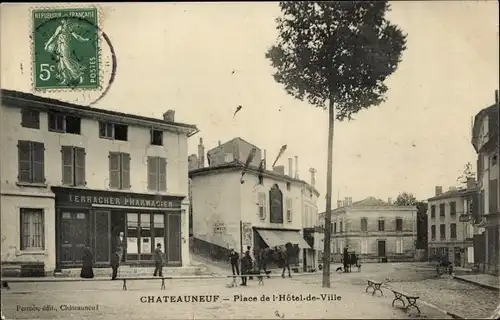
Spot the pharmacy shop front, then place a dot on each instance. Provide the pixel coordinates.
(96, 218)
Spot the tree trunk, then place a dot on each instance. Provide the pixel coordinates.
(328, 212)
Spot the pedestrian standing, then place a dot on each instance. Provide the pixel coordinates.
(158, 261)
(234, 259)
(87, 272)
(285, 259)
(346, 259)
(263, 256)
(251, 260)
(246, 267)
(115, 263)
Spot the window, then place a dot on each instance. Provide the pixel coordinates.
(119, 170)
(433, 232)
(30, 118)
(59, 122)
(399, 246)
(399, 224)
(493, 195)
(32, 229)
(288, 209)
(453, 208)
(364, 224)
(288, 186)
(142, 235)
(441, 210)
(334, 228)
(494, 160)
(442, 231)
(381, 225)
(31, 157)
(433, 211)
(364, 246)
(262, 205)
(157, 173)
(341, 226)
(453, 230)
(73, 166)
(156, 137)
(261, 179)
(108, 130)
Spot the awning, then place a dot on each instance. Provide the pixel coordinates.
(275, 238)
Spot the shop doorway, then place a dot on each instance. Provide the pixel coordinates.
(74, 237)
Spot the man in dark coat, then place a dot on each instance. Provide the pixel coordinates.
(246, 267)
(87, 272)
(263, 256)
(158, 261)
(234, 259)
(346, 259)
(285, 259)
(119, 246)
(115, 263)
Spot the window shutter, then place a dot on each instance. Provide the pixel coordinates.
(162, 174)
(67, 165)
(24, 159)
(114, 170)
(125, 174)
(79, 154)
(152, 173)
(38, 162)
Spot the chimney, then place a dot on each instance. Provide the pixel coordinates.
(313, 176)
(201, 153)
(219, 143)
(389, 200)
(439, 190)
(169, 116)
(340, 203)
(471, 183)
(279, 170)
(265, 159)
(296, 167)
(290, 167)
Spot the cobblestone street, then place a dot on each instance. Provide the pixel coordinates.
(112, 301)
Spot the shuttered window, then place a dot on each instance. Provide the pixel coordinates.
(32, 229)
(289, 210)
(73, 166)
(119, 170)
(31, 160)
(157, 174)
(262, 205)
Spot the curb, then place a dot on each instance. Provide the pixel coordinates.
(482, 285)
(430, 305)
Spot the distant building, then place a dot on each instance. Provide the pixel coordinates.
(449, 235)
(485, 139)
(267, 210)
(77, 175)
(373, 229)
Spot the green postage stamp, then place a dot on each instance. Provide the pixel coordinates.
(65, 49)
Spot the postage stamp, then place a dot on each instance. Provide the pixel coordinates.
(65, 49)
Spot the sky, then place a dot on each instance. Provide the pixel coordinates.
(181, 56)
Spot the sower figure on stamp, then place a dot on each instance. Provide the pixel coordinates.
(158, 261)
(234, 259)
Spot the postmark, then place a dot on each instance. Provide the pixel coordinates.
(72, 58)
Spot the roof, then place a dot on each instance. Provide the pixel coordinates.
(453, 194)
(17, 98)
(367, 203)
(238, 165)
(234, 139)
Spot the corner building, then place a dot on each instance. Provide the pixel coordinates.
(75, 176)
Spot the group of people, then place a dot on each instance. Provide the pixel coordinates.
(117, 254)
(257, 265)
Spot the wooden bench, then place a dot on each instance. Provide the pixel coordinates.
(411, 299)
(375, 285)
(124, 287)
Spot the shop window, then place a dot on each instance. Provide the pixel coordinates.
(144, 232)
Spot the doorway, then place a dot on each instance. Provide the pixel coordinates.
(381, 248)
(74, 236)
